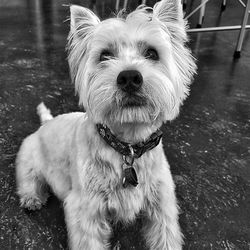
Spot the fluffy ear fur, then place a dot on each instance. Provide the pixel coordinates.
(169, 14)
(82, 20)
(82, 23)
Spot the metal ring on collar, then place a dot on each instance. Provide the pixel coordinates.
(129, 159)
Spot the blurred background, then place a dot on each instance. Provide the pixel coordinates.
(208, 145)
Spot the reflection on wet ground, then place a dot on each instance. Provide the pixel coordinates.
(208, 145)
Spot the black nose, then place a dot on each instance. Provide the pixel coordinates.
(130, 80)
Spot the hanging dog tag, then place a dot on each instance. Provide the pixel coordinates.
(129, 174)
(129, 177)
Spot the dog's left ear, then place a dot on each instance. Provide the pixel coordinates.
(170, 14)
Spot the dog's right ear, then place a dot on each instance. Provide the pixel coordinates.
(82, 20)
(82, 24)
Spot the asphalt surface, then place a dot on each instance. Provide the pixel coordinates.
(208, 145)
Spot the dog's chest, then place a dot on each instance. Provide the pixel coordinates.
(125, 203)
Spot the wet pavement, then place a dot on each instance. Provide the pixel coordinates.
(208, 145)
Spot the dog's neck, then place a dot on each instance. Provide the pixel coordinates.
(132, 133)
(131, 150)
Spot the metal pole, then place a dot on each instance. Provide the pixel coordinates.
(196, 9)
(202, 14)
(125, 4)
(117, 5)
(242, 31)
(223, 5)
(222, 28)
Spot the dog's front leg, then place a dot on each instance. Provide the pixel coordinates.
(86, 222)
(162, 231)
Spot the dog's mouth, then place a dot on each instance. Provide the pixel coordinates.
(133, 100)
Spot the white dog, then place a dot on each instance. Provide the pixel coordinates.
(132, 74)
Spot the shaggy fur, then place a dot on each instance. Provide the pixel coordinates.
(67, 152)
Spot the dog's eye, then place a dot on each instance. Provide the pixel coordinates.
(105, 55)
(152, 54)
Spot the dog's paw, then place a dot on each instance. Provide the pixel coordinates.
(31, 203)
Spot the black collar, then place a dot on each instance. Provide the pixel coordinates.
(124, 148)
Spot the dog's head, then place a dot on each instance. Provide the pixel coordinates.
(133, 69)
